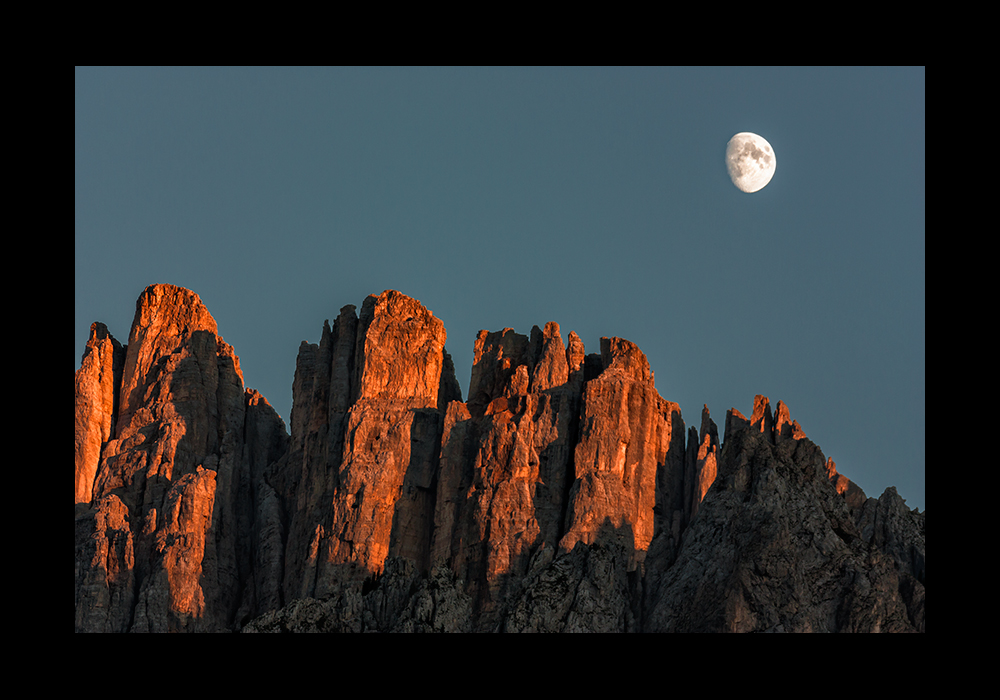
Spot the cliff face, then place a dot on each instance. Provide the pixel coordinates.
(565, 495)
(775, 549)
(163, 530)
(365, 444)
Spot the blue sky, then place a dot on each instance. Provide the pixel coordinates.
(508, 197)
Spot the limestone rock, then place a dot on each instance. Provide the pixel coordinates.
(700, 467)
(171, 474)
(505, 465)
(898, 533)
(260, 510)
(438, 605)
(575, 355)
(551, 369)
(321, 395)
(561, 497)
(338, 613)
(851, 492)
(165, 317)
(775, 548)
(735, 421)
(400, 351)
(761, 418)
(400, 599)
(784, 426)
(105, 567)
(98, 382)
(496, 359)
(584, 590)
(365, 444)
(182, 560)
(397, 600)
(628, 436)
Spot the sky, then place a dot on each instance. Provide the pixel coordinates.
(509, 197)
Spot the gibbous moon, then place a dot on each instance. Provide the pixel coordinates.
(750, 160)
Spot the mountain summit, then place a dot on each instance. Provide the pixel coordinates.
(564, 495)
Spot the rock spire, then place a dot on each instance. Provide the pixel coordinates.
(565, 494)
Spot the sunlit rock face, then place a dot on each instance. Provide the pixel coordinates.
(700, 466)
(168, 490)
(628, 435)
(98, 382)
(365, 444)
(564, 495)
(506, 464)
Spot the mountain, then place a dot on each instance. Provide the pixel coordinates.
(564, 495)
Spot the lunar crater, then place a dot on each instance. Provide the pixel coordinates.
(750, 161)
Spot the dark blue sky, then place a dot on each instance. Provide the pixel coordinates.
(507, 197)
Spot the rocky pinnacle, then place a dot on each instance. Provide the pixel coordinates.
(564, 494)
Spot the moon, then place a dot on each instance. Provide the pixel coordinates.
(750, 160)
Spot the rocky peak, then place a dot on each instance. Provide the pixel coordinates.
(761, 419)
(703, 449)
(775, 427)
(400, 351)
(170, 490)
(506, 462)
(622, 356)
(621, 452)
(98, 384)
(566, 495)
(777, 547)
(166, 318)
(735, 421)
(509, 364)
(551, 368)
(365, 468)
(497, 355)
(784, 426)
(851, 492)
(575, 355)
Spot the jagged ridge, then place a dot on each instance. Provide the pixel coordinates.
(564, 495)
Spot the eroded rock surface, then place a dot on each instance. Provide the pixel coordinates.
(775, 548)
(506, 464)
(630, 455)
(98, 382)
(365, 443)
(566, 494)
(169, 489)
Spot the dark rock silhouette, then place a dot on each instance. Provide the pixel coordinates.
(564, 495)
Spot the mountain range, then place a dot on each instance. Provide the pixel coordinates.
(563, 494)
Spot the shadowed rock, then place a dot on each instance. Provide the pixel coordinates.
(561, 497)
(170, 475)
